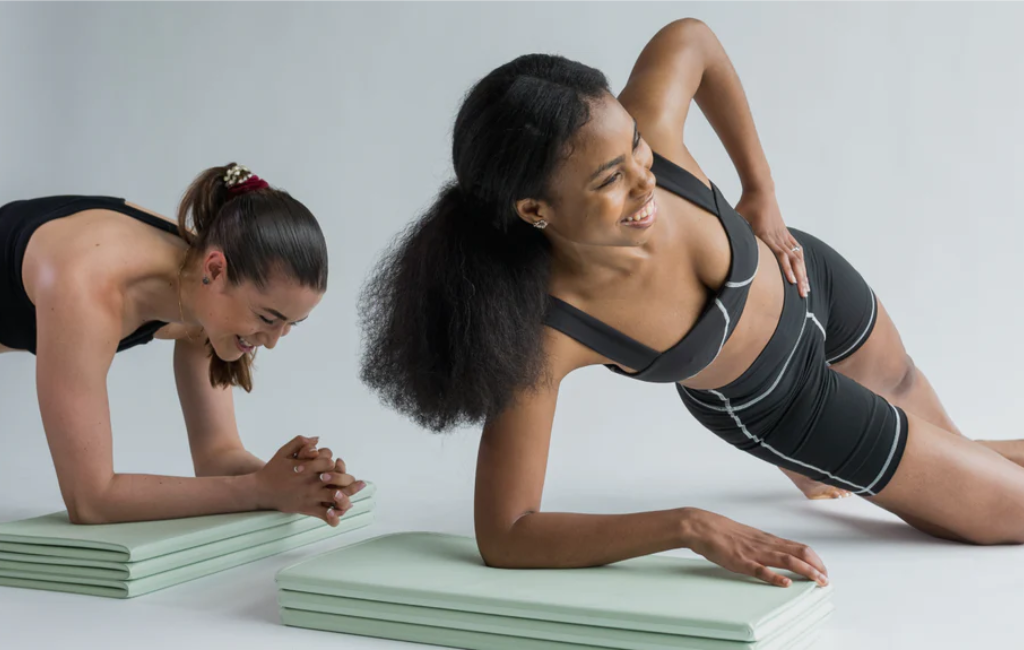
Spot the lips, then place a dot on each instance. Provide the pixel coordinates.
(244, 345)
(644, 216)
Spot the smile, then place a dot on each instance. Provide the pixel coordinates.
(643, 217)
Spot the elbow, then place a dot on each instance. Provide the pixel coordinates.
(496, 556)
(86, 515)
(688, 32)
(499, 549)
(88, 507)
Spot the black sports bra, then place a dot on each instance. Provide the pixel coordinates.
(705, 340)
(18, 221)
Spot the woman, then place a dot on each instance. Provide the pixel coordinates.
(569, 239)
(84, 277)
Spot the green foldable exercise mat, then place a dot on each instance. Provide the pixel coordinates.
(54, 536)
(129, 579)
(488, 632)
(660, 595)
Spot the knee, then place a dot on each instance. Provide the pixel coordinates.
(902, 377)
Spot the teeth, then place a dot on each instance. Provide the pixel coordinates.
(641, 215)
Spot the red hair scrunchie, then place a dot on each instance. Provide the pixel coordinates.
(254, 182)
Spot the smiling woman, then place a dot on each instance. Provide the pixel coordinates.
(85, 277)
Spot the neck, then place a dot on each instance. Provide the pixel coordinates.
(602, 263)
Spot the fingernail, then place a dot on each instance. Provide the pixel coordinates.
(298, 468)
(325, 477)
(310, 450)
(315, 438)
(361, 485)
(338, 495)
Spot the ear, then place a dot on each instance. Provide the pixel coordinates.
(533, 210)
(215, 265)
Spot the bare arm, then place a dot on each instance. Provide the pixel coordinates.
(513, 532)
(78, 332)
(685, 62)
(209, 413)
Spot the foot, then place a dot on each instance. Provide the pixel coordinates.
(813, 489)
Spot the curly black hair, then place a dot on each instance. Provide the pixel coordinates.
(452, 316)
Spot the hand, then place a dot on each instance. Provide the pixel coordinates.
(290, 482)
(749, 551)
(761, 209)
(346, 484)
(337, 478)
(813, 489)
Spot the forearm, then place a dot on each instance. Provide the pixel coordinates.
(721, 98)
(567, 540)
(144, 497)
(234, 462)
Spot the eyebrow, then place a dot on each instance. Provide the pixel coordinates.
(280, 315)
(615, 161)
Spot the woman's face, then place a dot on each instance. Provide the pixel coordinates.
(237, 319)
(602, 194)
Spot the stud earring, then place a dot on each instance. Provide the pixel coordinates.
(541, 225)
(206, 280)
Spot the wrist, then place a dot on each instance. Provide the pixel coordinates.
(759, 186)
(688, 527)
(253, 493)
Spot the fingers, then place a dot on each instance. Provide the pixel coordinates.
(791, 563)
(336, 479)
(796, 253)
(335, 498)
(296, 445)
(808, 556)
(761, 572)
(787, 266)
(307, 453)
(339, 466)
(800, 270)
(327, 513)
(319, 464)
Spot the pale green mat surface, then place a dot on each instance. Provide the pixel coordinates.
(658, 594)
(471, 640)
(70, 567)
(360, 616)
(131, 588)
(54, 536)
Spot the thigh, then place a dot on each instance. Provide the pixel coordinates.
(882, 361)
(953, 484)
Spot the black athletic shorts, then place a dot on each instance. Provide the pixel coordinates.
(790, 408)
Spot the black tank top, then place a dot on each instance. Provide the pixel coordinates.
(705, 340)
(18, 221)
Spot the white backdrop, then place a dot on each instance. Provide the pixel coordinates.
(895, 133)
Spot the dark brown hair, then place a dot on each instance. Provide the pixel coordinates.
(260, 231)
(453, 314)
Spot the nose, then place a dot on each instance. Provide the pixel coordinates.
(645, 180)
(270, 339)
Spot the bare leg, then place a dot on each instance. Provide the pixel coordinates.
(946, 486)
(883, 366)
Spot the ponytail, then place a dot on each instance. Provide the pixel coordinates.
(453, 315)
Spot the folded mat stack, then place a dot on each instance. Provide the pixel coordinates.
(131, 559)
(435, 589)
